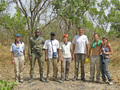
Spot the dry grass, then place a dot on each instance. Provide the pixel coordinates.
(7, 69)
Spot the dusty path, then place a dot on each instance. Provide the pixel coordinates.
(68, 85)
(7, 73)
(52, 85)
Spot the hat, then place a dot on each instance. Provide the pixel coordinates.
(17, 35)
(65, 35)
(52, 33)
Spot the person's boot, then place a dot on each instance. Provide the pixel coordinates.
(41, 75)
(31, 79)
(54, 78)
(41, 78)
(67, 79)
(47, 80)
(75, 79)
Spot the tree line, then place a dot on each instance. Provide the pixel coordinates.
(60, 16)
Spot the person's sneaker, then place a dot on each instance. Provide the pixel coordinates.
(30, 80)
(84, 80)
(98, 81)
(47, 80)
(74, 79)
(67, 79)
(54, 79)
(102, 82)
(61, 81)
(21, 81)
(16, 81)
(111, 82)
(42, 80)
(91, 80)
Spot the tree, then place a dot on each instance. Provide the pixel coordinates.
(34, 11)
(73, 11)
(99, 17)
(2, 5)
(114, 16)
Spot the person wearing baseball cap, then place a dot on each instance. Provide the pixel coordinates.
(18, 35)
(65, 52)
(17, 56)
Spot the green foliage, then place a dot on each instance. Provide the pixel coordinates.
(2, 5)
(114, 15)
(73, 10)
(5, 85)
(118, 48)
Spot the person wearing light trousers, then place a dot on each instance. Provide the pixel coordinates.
(95, 48)
(65, 48)
(17, 56)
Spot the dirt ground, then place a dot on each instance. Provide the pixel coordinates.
(7, 73)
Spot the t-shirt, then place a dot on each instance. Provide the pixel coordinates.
(66, 49)
(80, 43)
(18, 50)
(51, 46)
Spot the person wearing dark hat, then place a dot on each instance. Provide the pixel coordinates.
(104, 60)
(51, 48)
(17, 56)
(65, 48)
(35, 52)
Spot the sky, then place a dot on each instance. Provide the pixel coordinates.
(12, 11)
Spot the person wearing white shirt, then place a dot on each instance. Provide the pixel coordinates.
(17, 56)
(51, 48)
(80, 50)
(65, 48)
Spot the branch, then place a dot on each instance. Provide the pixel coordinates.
(23, 8)
(24, 12)
(40, 14)
(40, 8)
(48, 23)
(38, 18)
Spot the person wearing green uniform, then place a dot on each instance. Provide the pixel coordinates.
(35, 52)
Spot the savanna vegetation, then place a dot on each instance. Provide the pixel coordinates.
(62, 17)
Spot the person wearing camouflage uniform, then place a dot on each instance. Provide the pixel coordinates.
(35, 52)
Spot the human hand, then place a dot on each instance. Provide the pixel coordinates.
(73, 57)
(104, 52)
(13, 61)
(46, 58)
(62, 59)
(57, 59)
(30, 58)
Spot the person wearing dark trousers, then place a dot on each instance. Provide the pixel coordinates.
(35, 53)
(80, 50)
(104, 61)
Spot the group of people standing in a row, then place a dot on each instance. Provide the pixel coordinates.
(79, 50)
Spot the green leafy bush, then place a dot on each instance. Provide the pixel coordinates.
(5, 85)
